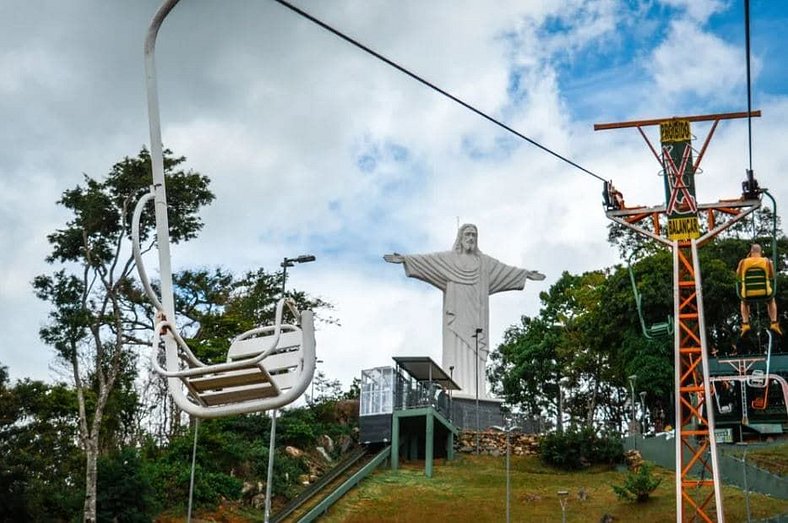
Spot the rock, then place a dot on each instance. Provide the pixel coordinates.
(323, 453)
(633, 459)
(251, 489)
(326, 442)
(346, 411)
(258, 501)
(345, 442)
(293, 452)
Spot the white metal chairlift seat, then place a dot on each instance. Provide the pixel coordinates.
(267, 367)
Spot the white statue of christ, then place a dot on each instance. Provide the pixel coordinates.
(467, 278)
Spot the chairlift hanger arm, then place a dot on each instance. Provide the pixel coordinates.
(157, 157)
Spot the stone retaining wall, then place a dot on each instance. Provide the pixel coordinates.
(493, 443)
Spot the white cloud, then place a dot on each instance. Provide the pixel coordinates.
(698, 10)
(278, 113)
(679, 68)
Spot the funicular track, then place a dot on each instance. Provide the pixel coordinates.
(334, 482)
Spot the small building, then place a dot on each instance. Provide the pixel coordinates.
(408, 406)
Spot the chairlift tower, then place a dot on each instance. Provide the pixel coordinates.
(677, 226)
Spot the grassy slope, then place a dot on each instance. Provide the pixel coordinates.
(473, 489)
(773, 458)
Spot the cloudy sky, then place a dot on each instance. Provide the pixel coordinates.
(314, 147)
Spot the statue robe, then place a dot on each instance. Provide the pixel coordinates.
(467, 280)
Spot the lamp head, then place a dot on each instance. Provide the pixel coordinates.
(304, 258)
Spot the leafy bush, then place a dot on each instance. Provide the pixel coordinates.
(125, 493)
(638, 485)
(210, 487)
(297, 427)
(608, 449)
(576, 449)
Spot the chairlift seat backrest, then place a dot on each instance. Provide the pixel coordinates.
(283, 364)
(267, 368)
(660, 329)
(757, 379)
(755, 284)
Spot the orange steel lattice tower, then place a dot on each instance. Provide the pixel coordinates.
(676, 225)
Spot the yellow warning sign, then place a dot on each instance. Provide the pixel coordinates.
(675, 131)
(681, 229)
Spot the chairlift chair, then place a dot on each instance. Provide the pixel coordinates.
(267, 367)
(657, 330)
(722, 409)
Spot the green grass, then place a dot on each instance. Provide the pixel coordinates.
(473, 489)
(773, 458)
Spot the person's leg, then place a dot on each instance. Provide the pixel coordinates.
(745, 317)
(772, 309)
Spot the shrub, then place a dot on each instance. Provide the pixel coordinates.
(579, 448)
(125, 493)
(638, 485)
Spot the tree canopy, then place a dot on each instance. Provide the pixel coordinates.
(576, 355)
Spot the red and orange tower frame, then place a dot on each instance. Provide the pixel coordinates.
(677, 226)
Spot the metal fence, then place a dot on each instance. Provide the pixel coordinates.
(662, 451)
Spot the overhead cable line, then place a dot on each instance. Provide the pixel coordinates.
(749, 81)
(432, 86)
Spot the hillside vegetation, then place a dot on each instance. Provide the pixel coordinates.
(473, 489)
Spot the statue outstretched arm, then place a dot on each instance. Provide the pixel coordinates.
(534, 275)
(394, 258)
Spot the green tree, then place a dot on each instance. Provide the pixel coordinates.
(39, 460)
(98, 312)
(558, 362)
(587, 338)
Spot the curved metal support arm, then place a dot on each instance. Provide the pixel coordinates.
(157, 157)
(137, 252)
(775, 259)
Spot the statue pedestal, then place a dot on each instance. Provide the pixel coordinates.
(463, 412)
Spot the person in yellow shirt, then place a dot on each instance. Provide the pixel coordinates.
(756, 260)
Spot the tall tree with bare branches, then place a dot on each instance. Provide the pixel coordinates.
(98, 312)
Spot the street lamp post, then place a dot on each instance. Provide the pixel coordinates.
(508, 430)
(744, 473)
(312, 391)
(643, 412)
(476, 336)
(563, 496)
(632, 423)
(287, 262)
(451, 406)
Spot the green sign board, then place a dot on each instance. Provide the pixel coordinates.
(723, 435)
(681, 204)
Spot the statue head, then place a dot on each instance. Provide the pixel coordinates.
(467, 240)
